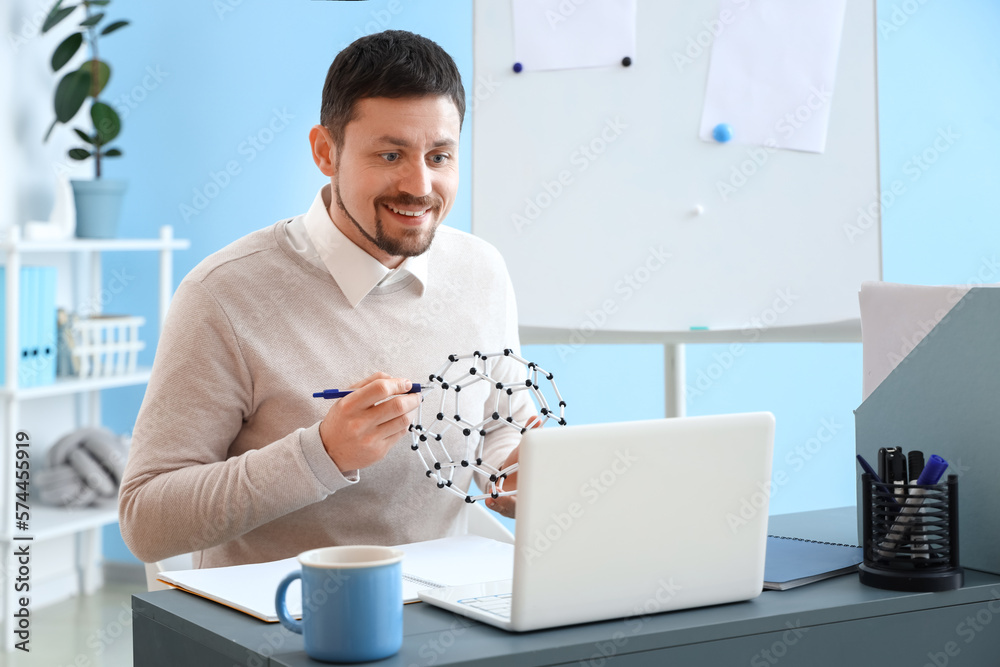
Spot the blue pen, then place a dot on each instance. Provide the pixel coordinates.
(336, 393)
(933, 469)
(878, 480)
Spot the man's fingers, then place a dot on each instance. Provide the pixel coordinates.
(504, 505)
(393, 429)
(394, 407)
(377, 390)
(371, 378)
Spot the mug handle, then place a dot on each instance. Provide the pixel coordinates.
(282, 608)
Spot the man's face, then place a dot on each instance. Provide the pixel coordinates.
(396, 177)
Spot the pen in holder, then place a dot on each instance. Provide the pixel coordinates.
(910, 542)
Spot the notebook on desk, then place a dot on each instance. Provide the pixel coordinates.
(432, 564)
(626, 519)
(793, 562)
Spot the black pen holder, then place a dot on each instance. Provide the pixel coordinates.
(910, 536)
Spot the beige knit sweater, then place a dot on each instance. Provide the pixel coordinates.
(226, 457)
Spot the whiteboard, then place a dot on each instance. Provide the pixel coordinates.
(612, 240)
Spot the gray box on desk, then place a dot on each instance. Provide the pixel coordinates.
(944, 399)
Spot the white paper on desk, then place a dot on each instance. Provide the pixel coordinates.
(450, 561)
(246, 588)
(455, 561)
(894, 319)
(562, 34)
(771, 76)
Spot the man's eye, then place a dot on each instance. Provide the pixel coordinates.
(439, 159)
(390, 157)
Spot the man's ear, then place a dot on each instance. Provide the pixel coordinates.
(323, 149)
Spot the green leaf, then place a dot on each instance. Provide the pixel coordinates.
(56, 15)
(70, 94)
(112, 152)
(51, 127)
(113, 26)
(92, 20)
(103, 74)
(66, 50)
(79, 154)
(106, 122)
(83, 135)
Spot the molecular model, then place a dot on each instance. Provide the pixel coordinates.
(458, 374)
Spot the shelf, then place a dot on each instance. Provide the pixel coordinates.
(66, 386)
(94, 245)
(47, 523)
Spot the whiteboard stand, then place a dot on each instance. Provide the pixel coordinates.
(673, 378)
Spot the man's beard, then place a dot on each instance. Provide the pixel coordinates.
(414, 241)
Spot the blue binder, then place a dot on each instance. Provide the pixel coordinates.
(37, 326)
(47, 326)
(26, 332)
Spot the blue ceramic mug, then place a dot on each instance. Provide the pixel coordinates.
(352, 603)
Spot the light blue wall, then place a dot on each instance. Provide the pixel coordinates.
(938, 69)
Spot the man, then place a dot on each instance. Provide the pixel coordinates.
(232, 457)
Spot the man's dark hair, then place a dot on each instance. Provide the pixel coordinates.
(393, 63)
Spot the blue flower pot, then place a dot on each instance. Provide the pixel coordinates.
(98, 207)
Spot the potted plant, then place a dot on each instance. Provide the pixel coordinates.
(98, 202)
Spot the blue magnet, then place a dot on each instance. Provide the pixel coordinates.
(722, 133)
(518, 67)
(626, 61)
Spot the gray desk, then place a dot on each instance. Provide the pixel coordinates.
(834, 622)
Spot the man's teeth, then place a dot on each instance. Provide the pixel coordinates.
(412, 214)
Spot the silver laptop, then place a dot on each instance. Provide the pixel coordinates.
(629, 519)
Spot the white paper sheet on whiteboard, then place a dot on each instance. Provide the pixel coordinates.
(562, 34)
(774, 63)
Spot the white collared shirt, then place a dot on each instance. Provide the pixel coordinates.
(322, 244)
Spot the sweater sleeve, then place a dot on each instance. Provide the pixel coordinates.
(181, 491)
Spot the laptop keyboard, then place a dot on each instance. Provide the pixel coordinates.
(498, 605)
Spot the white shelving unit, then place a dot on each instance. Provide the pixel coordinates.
(47, 523)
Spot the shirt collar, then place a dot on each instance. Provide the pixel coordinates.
(355, 271)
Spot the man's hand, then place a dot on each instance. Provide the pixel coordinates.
(507, 505)
(358, 433)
